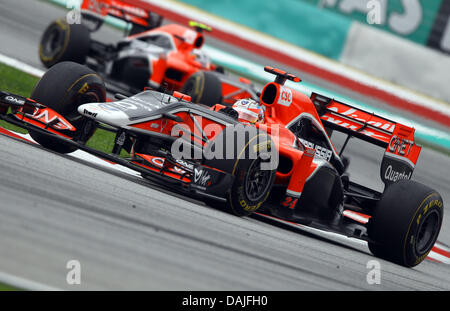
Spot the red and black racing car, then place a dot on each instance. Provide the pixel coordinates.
(153, 55)
(274, 155)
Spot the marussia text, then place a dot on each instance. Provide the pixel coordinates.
(239, 301)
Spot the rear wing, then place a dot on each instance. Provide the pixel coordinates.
(401, 152)
(141, 19)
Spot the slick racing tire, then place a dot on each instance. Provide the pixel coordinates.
(63, 88)
(204, 87)
(406, 223)
(64, 42)
(253, 175)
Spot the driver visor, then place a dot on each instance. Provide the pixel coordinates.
(247, 115)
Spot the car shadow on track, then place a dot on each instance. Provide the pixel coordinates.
(302, 230)
(182, 196)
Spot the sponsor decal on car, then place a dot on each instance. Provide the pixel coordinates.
(84, 89)
(15, 100)
(392, 175)
(285, 98)
(157, 161)
(89, 113)
(357, 120)
(321, 152)
(400, 146)
(244, 204)
(201, 178)
(46, 117)
(185, 164)
(395, 167)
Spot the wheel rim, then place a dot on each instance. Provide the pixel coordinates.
(87, 98)
(257, 181)
(427, 232)
(76, 119)
(52, 44)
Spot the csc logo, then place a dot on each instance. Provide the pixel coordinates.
(285, 98)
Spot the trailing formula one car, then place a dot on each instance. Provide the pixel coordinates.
(280, 162)
(155, 55)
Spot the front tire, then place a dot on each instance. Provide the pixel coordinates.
(250, 189)
(253, 171)
(406, 223)
(63, 88)
(64, 42)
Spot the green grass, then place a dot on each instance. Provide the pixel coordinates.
(20, 83)
(104, 141)
(7, 288)
(16, 82)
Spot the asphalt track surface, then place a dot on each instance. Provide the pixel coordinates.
(133, 235)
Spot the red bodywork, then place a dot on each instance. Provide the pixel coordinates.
(283, 107)
(118, 9)
(185, 63)
(181, 58)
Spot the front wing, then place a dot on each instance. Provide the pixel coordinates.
(188, 176)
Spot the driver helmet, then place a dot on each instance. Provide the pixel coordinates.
(249, 110)
(202, 58)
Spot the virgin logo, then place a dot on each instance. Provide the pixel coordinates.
(44, 117)
(201, 177)
(359, 116)
(354, 119)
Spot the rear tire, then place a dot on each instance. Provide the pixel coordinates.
(204, 87)
(64, 42)
(406, 223)
(63, 88)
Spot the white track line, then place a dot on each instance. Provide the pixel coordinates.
(25, 284)
(439, 258)
(17, 64)
(83, 155)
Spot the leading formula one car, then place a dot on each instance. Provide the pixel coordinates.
(153, 55)
(284, 164)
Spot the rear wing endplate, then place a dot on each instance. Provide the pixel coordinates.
(401, 152)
